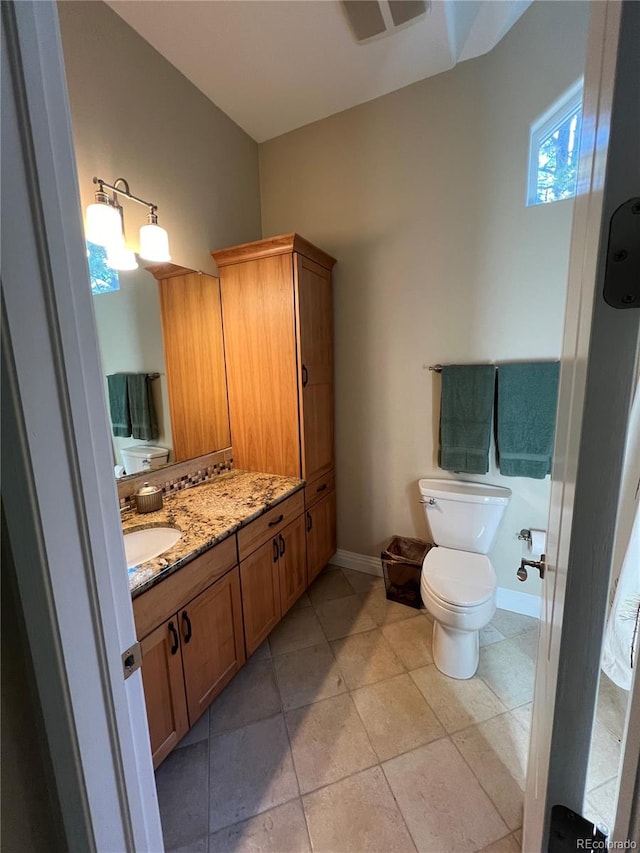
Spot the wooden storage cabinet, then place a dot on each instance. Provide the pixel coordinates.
(321, 534)
(194, 358)
(278, 340)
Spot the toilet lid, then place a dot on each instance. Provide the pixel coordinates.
(459, 577)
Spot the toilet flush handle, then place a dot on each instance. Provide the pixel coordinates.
(430, 502)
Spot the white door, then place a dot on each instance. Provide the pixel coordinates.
(58, 490)
(598, 362)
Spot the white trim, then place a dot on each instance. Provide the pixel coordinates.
(357, 562)
(507, 599)
(60, 497)
(519, 602)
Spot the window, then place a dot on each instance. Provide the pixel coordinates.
(553, 151)
(103, 278)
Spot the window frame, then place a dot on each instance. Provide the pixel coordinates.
(542, 128)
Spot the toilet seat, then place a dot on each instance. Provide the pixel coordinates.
(458, 579)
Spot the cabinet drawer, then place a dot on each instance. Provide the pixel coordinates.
(313, 492)
(255, 534)
(160, 602)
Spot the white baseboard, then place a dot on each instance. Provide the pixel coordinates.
(357, 562)
(507, 599)
(519, 602)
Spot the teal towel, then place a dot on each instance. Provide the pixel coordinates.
(144, 423)
(527, 402)
(465, 417)
(119, 404)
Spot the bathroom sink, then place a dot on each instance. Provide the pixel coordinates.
(144, 544)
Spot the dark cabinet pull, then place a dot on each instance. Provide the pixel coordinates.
(305, 376)
(187, 622)
(276, 521)
(275, 550)
(309, 522)
(282, 545)
(176, 641)
(321, 488)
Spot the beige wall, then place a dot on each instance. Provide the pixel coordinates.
(420, 196)
(134, 115)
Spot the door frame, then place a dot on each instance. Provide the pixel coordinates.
(597, 376)
(62, 512)
(58, 489)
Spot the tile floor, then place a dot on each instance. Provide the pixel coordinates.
(341, 736)
(604, 757)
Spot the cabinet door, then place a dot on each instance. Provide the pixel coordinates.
(196, 379)
(321, 534)
(164, 689)
(260, 581)
(260, 349)
(212, 642)
(315, 357)
(292, 563)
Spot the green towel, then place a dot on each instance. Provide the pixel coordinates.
(465, 417)
(119, 404)
(527, 402)
(144, 423)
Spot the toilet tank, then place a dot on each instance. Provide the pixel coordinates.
(143, 457)
(463, 515)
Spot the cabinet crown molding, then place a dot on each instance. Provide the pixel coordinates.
(282, 245)
(168, 270)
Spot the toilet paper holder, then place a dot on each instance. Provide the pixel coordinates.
(525, 535)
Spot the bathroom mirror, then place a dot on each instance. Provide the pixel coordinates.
(129, 323)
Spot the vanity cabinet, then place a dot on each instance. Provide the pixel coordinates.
(273, 578)
(212, 642)
(321, 534)
(273, 571)
(278, 340)
(164, 689)
(192, 644)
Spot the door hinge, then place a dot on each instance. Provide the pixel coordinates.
(622, 271)
(570, 831)
(131, 659)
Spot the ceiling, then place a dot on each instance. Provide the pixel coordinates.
(275, 65)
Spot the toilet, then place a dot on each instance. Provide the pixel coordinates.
(143, 457)
(458, 583)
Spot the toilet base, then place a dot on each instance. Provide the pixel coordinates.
(455, 653)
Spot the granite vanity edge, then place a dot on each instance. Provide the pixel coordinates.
(210, 543)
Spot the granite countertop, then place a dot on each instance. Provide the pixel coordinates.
(206, 514)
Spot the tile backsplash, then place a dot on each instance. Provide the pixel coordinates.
(181, 475)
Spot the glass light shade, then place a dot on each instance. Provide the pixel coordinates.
(121, 258)
(154, 243)
(103, 224)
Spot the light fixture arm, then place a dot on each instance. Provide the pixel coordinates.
(126, 192)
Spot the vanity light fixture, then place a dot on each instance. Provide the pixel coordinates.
(105, 227)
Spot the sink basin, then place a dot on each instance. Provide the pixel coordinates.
(150, 542)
